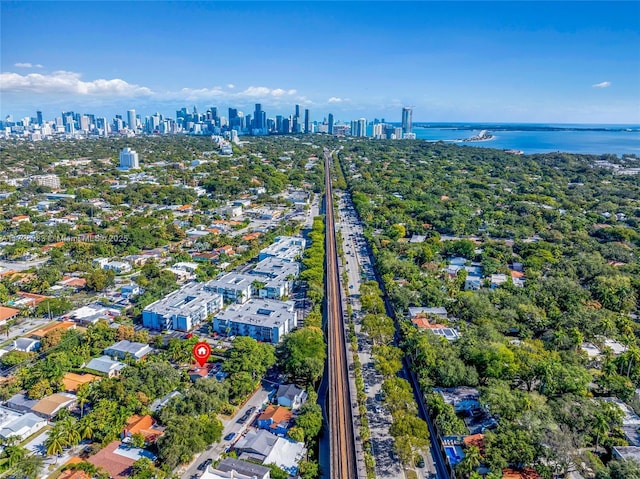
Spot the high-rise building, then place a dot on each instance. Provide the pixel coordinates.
(39, 117)
(307, 121)
(131, 120)
(129, 159)
(362, 127)
(257, 117)
(297, 111)
(407, 119)
(331, 123)
(84, 123)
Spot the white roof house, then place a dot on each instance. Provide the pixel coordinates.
(123, 348)
(106, 365)
(20, 425)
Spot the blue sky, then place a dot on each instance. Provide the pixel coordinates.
(556, 62)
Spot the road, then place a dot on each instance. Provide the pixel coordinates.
(342, 440)
(21, 265)
(257, 400)
(360, 268)
(358, 264)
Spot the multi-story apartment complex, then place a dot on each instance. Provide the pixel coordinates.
(261, 319)
(183, 309)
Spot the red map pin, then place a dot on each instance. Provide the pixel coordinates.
(201, 351)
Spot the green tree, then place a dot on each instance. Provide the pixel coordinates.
(302, 354)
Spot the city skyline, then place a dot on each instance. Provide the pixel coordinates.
(556, 62)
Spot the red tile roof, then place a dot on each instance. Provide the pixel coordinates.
(476, 440)
(8, 313)
(71, 474)
(142, 425)
(527, 473)
(277, 414)
(52, 327)
(117, 466)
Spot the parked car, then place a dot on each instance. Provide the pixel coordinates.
(205, 464)
(230, 436)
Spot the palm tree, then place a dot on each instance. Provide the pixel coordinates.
(14, 454)
(55, 443)
(82, 395)
(601, 428)
(85, 430)
(633, 354)
(70, 435)
(471, 461)
(29, 467)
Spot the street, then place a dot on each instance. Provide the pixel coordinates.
(257, 400)
(360, 268)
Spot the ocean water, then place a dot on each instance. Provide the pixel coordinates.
(591, 139)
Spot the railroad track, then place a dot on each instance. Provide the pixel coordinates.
(342, 442)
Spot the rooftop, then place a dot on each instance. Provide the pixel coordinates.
(39, 333)
(183, 301)
(73, 381)
(50, 405)
(263, 312)
(242, 467)
(273, 267)
(8, 313)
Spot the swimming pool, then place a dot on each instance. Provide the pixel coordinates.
(454, 454)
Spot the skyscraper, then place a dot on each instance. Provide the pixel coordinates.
(307, 121)
(407, 119)
(331, 123)
(39, 117)
(362, 127)
(129, 159)
(258, 117)
(131, 120)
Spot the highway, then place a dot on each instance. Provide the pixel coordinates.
(342, 440)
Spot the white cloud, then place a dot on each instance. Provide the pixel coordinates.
(61, 82)
(27, 65)
(335, 99)
(604, 84)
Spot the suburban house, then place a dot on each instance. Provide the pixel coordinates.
(199, 372)
(7, 313)
(125, 348)
(144, 425)
(275, 419)
(260, 445)
(61, 325)
(49, 406)
(230, 468)
(21, 402)
(106, 365)
(26, 345)
(117, 459)
(291, 396)
(73, 381)
(14, 424)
